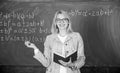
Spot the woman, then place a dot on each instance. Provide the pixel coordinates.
(63, 42)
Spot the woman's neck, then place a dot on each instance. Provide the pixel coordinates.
(62, 33)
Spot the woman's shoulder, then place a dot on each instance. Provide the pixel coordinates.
(50, 36)
(75, 34)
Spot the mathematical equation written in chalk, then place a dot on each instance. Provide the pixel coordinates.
(17, 26)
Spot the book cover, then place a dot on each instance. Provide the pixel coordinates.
(73, 57)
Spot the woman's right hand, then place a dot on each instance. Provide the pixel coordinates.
(30, 45)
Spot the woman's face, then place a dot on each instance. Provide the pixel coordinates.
(62, 22)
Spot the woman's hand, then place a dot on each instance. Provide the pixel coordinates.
(72, 66)
(68, 64)
(30, 45)
(65, 63)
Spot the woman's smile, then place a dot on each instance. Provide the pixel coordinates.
(62, 25)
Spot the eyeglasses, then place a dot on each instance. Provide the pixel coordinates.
(59, 20)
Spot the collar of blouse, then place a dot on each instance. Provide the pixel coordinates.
(69, 37)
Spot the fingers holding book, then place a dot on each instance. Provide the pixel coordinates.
(65, 63)
(69, 64)
(72, 66)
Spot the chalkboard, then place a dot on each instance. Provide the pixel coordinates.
(97, 22)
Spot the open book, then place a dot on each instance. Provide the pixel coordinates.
(73, 57)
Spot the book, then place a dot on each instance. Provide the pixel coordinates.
(57, 57)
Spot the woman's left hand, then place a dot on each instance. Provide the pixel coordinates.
(72, 66)
(68, 64)
(65, 63)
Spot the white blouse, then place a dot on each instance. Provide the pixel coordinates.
(62, 39)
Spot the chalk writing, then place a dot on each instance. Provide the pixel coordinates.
(10, 22)
(19, 16)
(99, 12)
(21, 26)
(22, 38)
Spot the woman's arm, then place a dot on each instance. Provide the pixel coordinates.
(80, 54)
(44, 58)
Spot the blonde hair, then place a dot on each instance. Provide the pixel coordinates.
(55, 29)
